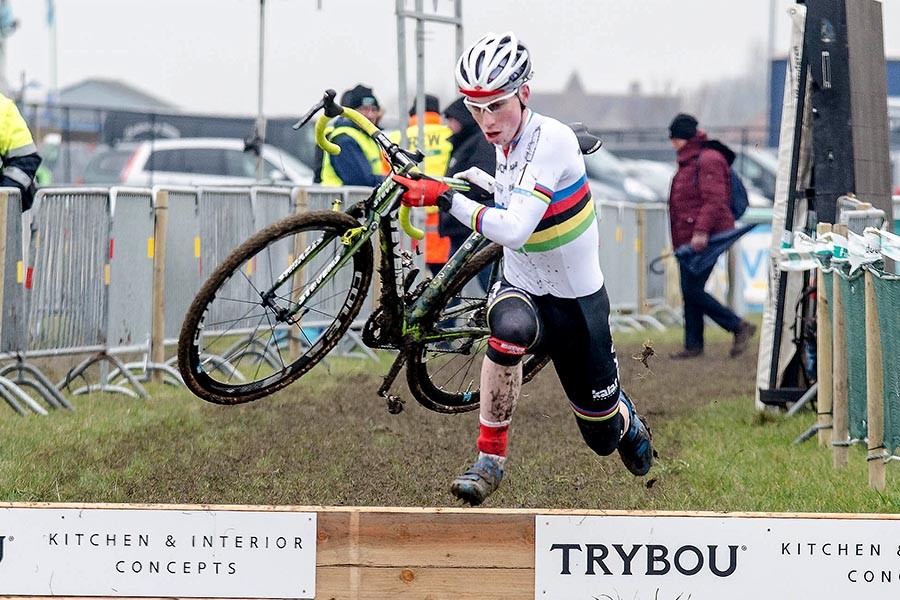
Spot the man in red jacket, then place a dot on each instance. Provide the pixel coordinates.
(699, 206)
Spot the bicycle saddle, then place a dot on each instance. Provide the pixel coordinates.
(587, 141)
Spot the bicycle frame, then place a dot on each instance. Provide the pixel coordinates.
(381, 216)
(404, 312)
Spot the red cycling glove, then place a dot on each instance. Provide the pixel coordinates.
(420, 192)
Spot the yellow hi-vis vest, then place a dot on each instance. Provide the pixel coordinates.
(15, 141)
(366, 144)
(437, 146)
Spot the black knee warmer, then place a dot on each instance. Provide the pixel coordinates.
(513, 321)
(602, 436)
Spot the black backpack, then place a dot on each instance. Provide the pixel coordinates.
(740, 200)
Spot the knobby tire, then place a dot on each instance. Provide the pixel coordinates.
(461, 361)
(271, 247)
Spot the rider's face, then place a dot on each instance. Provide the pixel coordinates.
(502, 119)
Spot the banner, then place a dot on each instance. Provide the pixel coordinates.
(157, 553)
(715, 558)
(775, 348)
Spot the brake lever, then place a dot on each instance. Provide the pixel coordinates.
(305, 118)
(327, 102)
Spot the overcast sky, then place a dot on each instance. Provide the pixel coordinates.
(202, 55)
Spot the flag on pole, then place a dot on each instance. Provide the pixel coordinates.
(51, 12)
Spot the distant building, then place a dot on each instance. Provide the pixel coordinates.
(112, 95)
(605, 112)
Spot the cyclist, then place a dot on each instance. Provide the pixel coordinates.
(551, 295)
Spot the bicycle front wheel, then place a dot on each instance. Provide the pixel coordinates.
(274, 307)
(444, 370)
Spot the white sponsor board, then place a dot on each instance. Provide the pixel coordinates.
(711, 558)
(159, 553)
(753, 263)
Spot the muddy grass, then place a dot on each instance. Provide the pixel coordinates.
(329, 440)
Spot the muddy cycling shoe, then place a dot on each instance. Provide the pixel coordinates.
(480, 481)
(634, 447)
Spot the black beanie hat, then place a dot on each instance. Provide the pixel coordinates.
(359, 96)
(432, 104)
(457, 110)
(683, 127)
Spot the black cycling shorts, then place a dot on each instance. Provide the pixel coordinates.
(574, 332)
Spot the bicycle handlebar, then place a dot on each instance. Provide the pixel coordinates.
(398, 158)
(401, 160)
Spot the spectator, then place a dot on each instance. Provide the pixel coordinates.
(359, 162)
(17, 151)
(699, 206)
(437, 155)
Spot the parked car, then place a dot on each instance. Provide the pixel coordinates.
(602, 192)
(192, 161)
(658, 176)
(654, 174)
(757, 167)
(606, 168)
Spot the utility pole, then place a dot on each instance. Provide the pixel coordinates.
(260, 132)
(53, 92)
(421, 17)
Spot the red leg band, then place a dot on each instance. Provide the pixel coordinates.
(492, 440)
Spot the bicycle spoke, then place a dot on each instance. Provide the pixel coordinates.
(278, 321)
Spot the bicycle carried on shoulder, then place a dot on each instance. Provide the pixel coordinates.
(286, 296)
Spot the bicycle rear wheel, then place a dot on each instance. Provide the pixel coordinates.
(251, 330)
(444, 369)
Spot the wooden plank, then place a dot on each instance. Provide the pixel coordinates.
(463, 540)
(423, 583)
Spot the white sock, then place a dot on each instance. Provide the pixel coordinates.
(496, 457)
(626, 416)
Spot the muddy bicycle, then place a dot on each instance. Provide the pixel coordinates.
(285, 297)
(292, 290)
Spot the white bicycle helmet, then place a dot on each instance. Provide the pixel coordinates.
(495, 63)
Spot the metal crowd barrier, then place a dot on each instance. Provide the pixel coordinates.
(12, 314)
(205, 224)
(70, 300)
(110, 272)
(98, 270)
(228, 216)
(631, 236)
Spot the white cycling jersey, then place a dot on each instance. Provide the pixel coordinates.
(543, 215)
